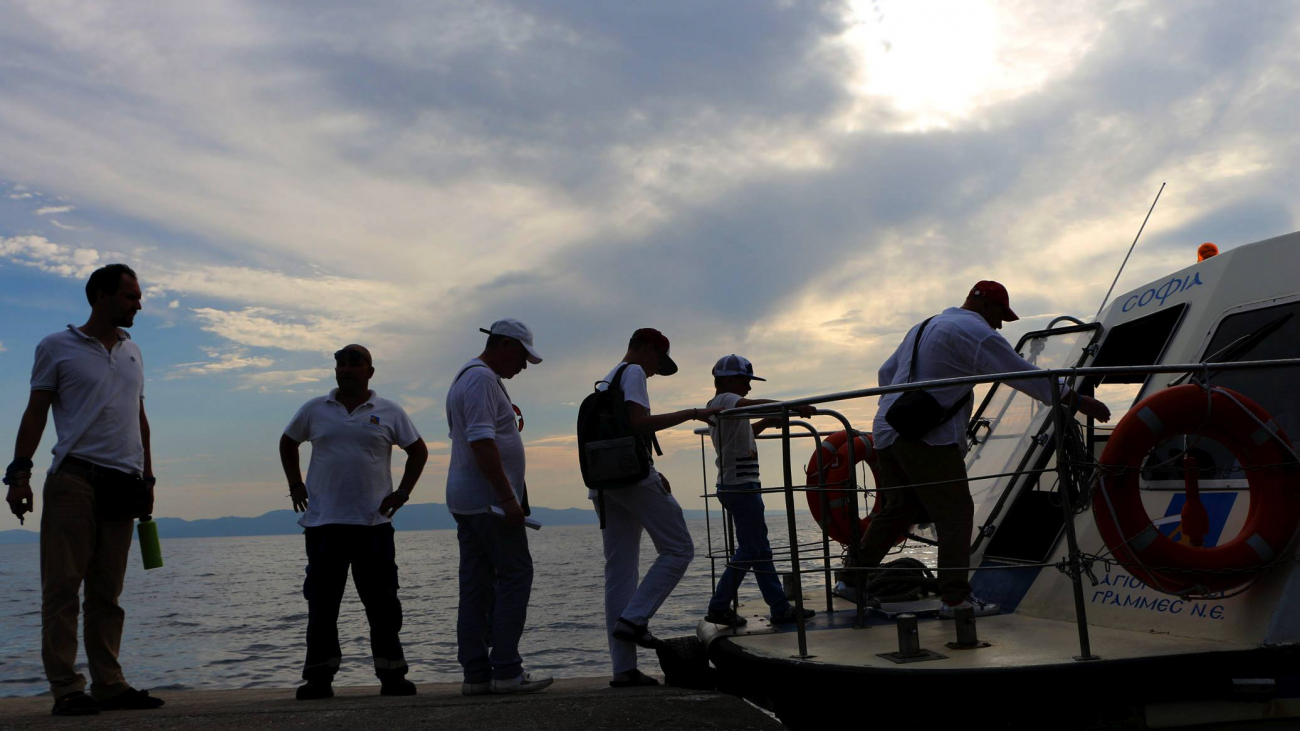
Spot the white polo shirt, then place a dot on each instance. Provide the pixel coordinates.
(478, 408)
(351, 468)
(97, 395)
(956, 343)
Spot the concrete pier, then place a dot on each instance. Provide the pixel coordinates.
(575, 703)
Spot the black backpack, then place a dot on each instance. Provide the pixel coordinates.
(610, 454)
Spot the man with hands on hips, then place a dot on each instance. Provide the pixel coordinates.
(347, 513)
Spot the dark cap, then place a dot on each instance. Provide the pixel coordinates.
(995, 292)
(667, 366)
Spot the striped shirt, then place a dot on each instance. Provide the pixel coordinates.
(733, 440)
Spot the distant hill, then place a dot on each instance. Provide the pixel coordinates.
(422, 516)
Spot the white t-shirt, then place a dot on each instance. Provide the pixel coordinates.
(733, 440)
(97, 395)
(634, 390)
(956, 343)
(478, 408)
(351, 469)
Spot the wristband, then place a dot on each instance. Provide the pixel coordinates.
(151, 481)
(16, 466)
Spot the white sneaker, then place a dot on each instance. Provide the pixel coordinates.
(525, 683)
(982, 608)
(468, 688)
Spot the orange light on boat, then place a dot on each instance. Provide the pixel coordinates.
(1206, 250)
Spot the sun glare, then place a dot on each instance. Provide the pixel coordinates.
(938, 62)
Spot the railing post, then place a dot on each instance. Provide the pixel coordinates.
(1073, 560)
(794, 533)
(708, 527)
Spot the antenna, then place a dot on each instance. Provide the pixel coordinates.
(1106, 299)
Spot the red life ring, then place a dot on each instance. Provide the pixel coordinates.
(1271, 473)
(834, 454)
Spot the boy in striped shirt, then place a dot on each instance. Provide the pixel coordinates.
(738, 491)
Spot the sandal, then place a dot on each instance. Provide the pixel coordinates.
(632, 679)
(728, 617)
(131, 700)
(75, 703)
(638, 633)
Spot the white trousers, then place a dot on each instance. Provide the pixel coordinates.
(627, 512)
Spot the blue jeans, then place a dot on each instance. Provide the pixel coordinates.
(753, 552)
(496, 580)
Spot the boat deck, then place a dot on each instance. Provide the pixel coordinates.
(1015, 641)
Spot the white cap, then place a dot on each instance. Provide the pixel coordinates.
(735, 365)
(512, 328)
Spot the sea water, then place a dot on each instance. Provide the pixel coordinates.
(229, 612)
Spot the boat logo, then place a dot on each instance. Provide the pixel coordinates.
(1218, 506)
(1163, 292)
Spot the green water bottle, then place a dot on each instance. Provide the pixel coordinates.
(150, 549)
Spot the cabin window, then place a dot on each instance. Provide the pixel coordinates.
(1266, 333)
(1136, 343)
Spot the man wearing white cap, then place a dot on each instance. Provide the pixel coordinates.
(487, 495)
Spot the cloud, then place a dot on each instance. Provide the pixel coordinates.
(3, 349)
(45, 255)
(19, 196)
(67, 227)
(799, 182)
(282, 380)
(47, 210)
(416, 404)
(264, 327)
(220, 362)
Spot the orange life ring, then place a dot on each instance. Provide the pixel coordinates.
(1271, 473)
(834, 460)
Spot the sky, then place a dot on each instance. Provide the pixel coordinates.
(796, 182)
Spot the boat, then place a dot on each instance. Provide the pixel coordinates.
(1089, 632)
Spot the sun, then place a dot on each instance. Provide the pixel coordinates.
(938, 63)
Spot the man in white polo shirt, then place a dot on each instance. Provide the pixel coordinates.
(347, 507)
(488, 496)
(100, 480)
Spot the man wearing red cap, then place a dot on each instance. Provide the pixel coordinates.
(961, 341)
(649, 506)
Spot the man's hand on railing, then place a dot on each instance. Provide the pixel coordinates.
(1089, 406)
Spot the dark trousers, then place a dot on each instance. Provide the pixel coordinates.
(369, 551)
(496, 581)
(753, 551)
(905, 463)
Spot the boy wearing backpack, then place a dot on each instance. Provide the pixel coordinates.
(738, 491)
(646, 505)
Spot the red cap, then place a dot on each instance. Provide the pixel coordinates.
(995, 292)
(667, 366)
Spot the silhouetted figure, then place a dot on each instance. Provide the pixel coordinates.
(488, 496)
(347, 509)
(99, 482)
(649, 506)
(738, 488)
(960, 341)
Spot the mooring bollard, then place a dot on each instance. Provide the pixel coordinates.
(967, 638)
(909, 639)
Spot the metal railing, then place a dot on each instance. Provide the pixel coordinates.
(1074, 564)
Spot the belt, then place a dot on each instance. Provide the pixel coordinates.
(89, 469)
